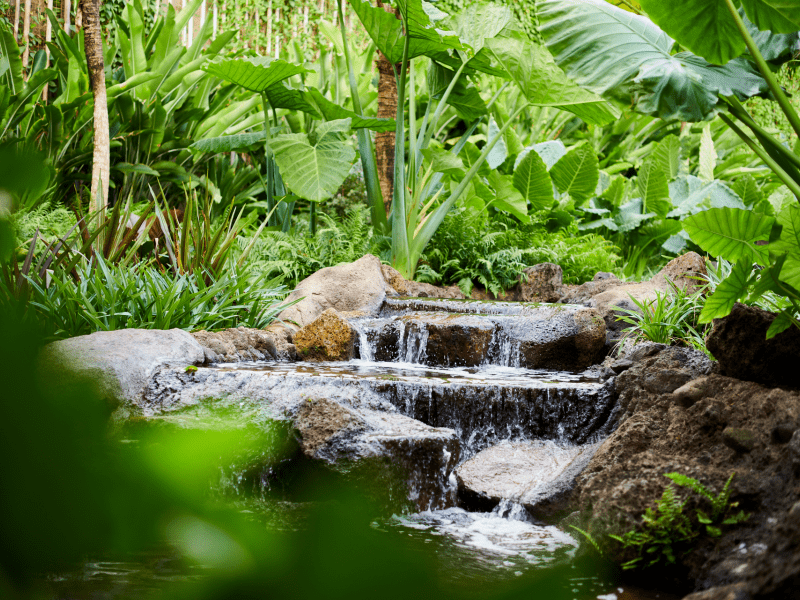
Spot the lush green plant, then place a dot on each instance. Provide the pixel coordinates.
(469, 249)
(671, 318)
(748, 43)
(667, 532)
(105, 297)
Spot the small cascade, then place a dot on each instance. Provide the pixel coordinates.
(436, 382)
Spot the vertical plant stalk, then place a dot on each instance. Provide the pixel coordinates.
(267, 154)
(766, 73)
(67, 14)
(26, 32)
(48, 37)
(375, 195)
(400, 247)
(101, 156)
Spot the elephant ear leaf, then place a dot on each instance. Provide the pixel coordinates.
(779, 16)
(731, 233)
(728, 292)
(315, 171)
(628, 58)
(253, 73)
(533, 182)
(577, 173)
(703, 26)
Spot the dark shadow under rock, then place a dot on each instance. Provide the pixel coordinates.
(739, 343)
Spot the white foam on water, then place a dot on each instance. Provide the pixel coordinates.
(502, 535)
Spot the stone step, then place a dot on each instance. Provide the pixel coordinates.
(559, 337)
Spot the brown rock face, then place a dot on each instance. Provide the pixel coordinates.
(544, 283)
(454, 340)
(415, 289)
(726, 426)
(739, 343)
(328, 337)
(319, 420)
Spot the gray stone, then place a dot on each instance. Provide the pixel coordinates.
(235, 345)
(400, 286)
(540, 283)
(537, 474)
(621, 364)
(357, 286)
(116, 365)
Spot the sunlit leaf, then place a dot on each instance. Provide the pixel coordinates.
(577, 172)
(728, 292)
(254, 73)
(731, 233)
(533, 182)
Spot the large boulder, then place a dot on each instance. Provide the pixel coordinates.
(400, 286)
(539, 475)
(353, 287)
(328, 337)
(116, 365)
(666, 426)
(540, 283)
(739, 342)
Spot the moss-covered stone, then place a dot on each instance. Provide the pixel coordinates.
(329, 337)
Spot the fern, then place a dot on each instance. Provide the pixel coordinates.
(720, 504)
(589, 538)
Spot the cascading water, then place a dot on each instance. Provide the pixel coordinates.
(435, 384)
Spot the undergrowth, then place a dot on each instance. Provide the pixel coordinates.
(469, 250)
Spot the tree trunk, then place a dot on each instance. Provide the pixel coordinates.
(101, 158)
(387, 109)
(16, 20)
(26, 32)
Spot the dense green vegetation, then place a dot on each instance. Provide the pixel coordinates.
(501, 160)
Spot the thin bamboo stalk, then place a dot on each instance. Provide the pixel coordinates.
(48, 37)
(67, 14)
(215, 25)
(269, 27)
(277, 34)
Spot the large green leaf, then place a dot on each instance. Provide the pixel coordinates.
(708, 155)
(789, 9)
(728, 292)
(253, 73)
(315, 171)
(651, 182)
(731, 233)
(464, 97)
(747, 189)
(703, 26)
(627, 57)
(10, 61)
(789, 241)
(689, 195)
(577, 173)
(332, 112)
(507, 197)
(279, 95)
(533, 182)
(229, 143)
(386, 30)
(542, 82)
(668, 154)
(767, 18)
(790, 273)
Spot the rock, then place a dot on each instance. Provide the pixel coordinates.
(356, 286)
(282, 337)
(739, 343)
(339, 435)
(608, 295)
(116, 365)
(236, 345)
(451, 340)
(328, 337)
(539, 475)
(541, 283)
(691, 392)
(601, 275)
(738, 440)
(782, 432)
(794, 451)
(621, 364)
(735, 591)
(415, 289)
(690, 431)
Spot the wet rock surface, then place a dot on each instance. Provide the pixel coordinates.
(739, 343)
(328, 337)
(117, 365)
(403, 287)
(243, 344)
(538, 337)
(538, 475)
(707, 428)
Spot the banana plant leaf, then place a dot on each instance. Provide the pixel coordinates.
(628, 58)
(386, 30)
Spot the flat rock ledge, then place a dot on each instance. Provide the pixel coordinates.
(539, 475)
